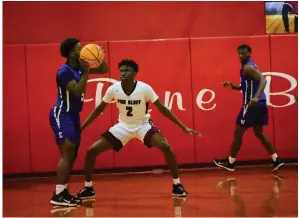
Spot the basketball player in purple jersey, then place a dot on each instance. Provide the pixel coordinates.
(254, 112)
(64, 117)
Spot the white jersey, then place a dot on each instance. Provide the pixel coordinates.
(133, 108)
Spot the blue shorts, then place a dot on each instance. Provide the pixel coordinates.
(253, 116)
(65, 126)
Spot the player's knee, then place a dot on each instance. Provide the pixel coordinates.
(258, 133)
(68, 151)
(165, 147)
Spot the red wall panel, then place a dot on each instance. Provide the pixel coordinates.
(49, 22)
(16, 152)
(42, 93)
(284, 62)
(165, 65)
(215, 60)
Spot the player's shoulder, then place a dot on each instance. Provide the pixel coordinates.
(63, 69)
(115, 86)
(144, 85)
(251, 63)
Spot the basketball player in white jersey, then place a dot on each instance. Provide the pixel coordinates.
(132, 98)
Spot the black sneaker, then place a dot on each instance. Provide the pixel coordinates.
(86, 193)
(63, 199)
(224, 163)
(78, 200)
(277, 164)
(179, 191)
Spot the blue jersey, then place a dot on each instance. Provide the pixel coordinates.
(65, 100)
(250, 85)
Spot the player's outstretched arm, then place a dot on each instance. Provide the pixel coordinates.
(109, 95)
(102, 69)
(94, 114)
(167, 113)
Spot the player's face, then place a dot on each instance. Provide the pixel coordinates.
(77, 51)
(126, 73)
(244, 55)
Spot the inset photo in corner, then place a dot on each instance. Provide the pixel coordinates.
(281, 17)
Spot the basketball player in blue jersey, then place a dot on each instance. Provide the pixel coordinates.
(254, 112)
(132, 99)
(64, 117)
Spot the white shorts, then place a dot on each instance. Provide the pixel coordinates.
(124, 133)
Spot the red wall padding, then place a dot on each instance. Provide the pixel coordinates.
(16, 150)
(189, 68)
(284, 59)
(128, 20)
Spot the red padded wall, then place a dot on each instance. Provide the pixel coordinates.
(16, 151)
(284, 60)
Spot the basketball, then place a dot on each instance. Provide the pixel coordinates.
(93, 54)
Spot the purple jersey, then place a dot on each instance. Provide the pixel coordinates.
(65, 100)
(250, 85)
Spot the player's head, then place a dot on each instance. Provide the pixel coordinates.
(244, 52)
(70, 49)
(127, 69)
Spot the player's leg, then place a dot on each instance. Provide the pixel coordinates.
(115, 139)
(66, 139)
(241, 127)
(285, 16)
(259, 120)
(160, 142)
(152, 137)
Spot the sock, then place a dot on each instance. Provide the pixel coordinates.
(88, 184)
(176, 181)
(274, 156)
(231, 160)
(177, 211)
(59, 189)
(232, 190)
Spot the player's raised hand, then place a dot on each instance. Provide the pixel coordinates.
(191, 131)
(84, 65)
(227, 84)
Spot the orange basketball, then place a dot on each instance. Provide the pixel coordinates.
(93, 54)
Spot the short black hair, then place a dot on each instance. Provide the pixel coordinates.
(244, 46)
(67, 46)
(129, 63)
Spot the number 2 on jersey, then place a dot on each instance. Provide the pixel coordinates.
(129, 111)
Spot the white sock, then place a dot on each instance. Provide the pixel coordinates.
(177, 211)
(274, 156)
(88, 184)
(176, 181)
(231, 160)
(59, 188)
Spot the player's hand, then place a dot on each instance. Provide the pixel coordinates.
(85, 66)
(253, 101)
(227, 84)
(191, 131)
